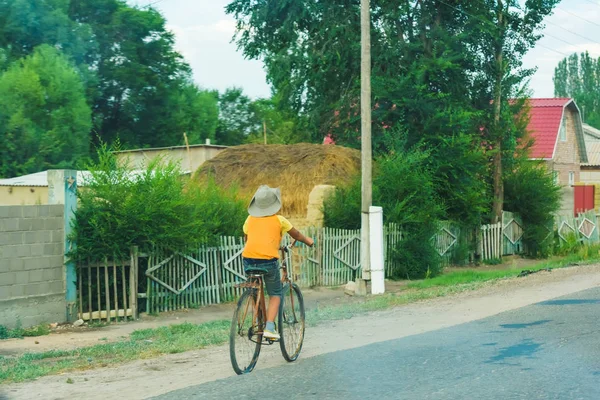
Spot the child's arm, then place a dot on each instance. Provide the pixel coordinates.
(296, 234)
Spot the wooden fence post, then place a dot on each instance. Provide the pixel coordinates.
(133, 282)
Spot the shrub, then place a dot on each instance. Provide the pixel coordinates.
(404, 186)
(531, 192)
(341, 209)
(157, 206)
(4, 332)
(570, 245)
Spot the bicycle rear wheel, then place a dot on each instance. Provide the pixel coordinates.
(291, 322)
(244, 341)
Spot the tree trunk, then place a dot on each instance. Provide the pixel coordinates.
(498, 135)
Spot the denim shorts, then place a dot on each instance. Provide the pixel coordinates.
(271, 277)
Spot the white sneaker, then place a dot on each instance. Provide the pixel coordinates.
(271, 334)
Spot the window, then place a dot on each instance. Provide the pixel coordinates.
(571, 178)
(556, 178)
(562, 133)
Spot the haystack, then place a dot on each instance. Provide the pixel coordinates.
(296, 169)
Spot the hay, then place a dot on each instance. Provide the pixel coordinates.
(296, 169)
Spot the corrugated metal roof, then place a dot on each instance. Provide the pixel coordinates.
(593, 152)
(37, 179)
(591, 131)
(192, 146)
(545, 117)
(40, 179)
(549, 102)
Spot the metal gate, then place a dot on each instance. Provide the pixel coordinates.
(107, 290)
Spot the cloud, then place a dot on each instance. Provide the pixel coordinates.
(219, 31)
(223, 28)
(216, 63)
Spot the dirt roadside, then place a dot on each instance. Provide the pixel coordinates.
(74, 338)
(145, 378)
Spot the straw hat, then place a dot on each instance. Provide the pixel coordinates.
(266, 202)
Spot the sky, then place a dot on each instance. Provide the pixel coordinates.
(204, 31)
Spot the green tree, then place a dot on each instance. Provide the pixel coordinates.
(142, 82)
(44, 118)
(510, 29)
(139, 88)
(578, 77)
(243, 120)
(235, 117)
(405, 186)
(26, 24)
(422, 76)
(195, 112)
(443, 73)
(281, 126)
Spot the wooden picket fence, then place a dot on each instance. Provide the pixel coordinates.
(209, 275)
(110, 290)
(392, 235)
(176, 280)
(501, 239)
(491, 241)
(583, 228)
(512, 234)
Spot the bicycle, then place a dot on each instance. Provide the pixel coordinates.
(249, 320)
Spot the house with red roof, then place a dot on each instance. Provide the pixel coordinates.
(556, 126)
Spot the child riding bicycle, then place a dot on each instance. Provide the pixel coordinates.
(263, 231)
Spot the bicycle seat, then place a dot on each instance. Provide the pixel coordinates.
(256, 270)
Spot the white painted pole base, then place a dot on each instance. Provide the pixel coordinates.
(376, 242)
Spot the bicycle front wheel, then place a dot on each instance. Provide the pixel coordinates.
(291, 322)
(244, 340)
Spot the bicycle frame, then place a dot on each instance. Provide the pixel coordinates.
(285, 278)
(255, 282)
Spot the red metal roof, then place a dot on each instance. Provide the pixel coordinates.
(544, 123)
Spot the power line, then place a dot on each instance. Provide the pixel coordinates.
(574, 33)
(152, 4)
(578, 16)
(593, 2)
(562, 40)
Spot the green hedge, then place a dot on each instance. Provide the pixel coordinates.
(157, 206)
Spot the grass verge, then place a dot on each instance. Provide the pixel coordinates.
(18, 332)
(142, 344)
(589, 254)
(150, 343)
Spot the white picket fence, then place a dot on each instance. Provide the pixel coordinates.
(491, 241)
(334, 261)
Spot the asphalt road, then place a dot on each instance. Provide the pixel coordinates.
(550, 350)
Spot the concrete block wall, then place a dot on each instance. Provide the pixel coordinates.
(32, 272)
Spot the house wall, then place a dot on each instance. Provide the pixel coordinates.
(566, 159)
(590, 176)
(23, 195)
(197, 156)
(32, 272)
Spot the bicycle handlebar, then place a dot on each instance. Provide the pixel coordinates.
(289, 246)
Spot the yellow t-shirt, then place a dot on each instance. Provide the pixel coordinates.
(264, 236)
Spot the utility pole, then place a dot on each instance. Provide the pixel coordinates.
(265, 131)
(187, 146)
(365, 137)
